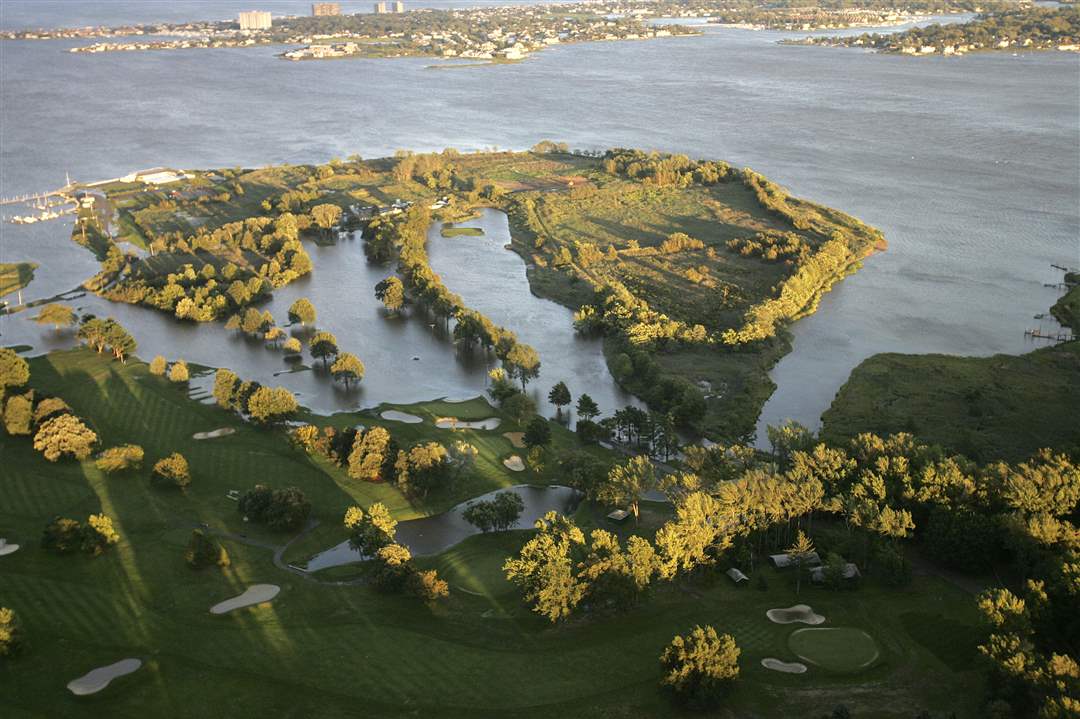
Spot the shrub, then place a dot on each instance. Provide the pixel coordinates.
(118, 459)
(203, 552)
(179, 372)
(279, 509)
(158, 365)
(700, 667)
(11, 639)
(18, 413)
(64, 435)
(172, 471)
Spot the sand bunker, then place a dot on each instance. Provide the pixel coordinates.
(6, 549)
(255, 594)
(516, 438)
(455, 423)
(395, 416)
(97, 679)
(787, 667)
(800, 613)
(223, 432)
(514, 463)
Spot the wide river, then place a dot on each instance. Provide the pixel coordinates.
(971, 166)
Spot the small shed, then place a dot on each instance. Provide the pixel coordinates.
(618, 516)
(783, 561)
(737, 576)
(850, 571)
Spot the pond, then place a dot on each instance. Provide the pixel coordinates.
(408, 359)
(431, 535)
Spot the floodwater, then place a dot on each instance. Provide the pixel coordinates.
(971, 166)
(435, 534)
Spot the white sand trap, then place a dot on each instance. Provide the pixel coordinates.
(786, 667)
(516, 438)
(455, 423)
(223, 432)
(514, 463)
(97, 679)
(6, 549)
(800, 613)
(394, 416)
(255, 594)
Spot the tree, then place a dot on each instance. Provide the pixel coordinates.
(292, 347)
(226, 383)
(171, 471)
(537, 433)
(392, 293)
(544, 568)
(587, 408)
(48, 408)
(371, 530)
(179, 372)
(347, 368)
(371, 458)
(393, 567)
(497, 514)
(280, 509)
(799, 554)
(560, 397)
(202, 552)
(120, 458)
(158, 366)
(519, 406)
(14, 372)
(627, 482)
(56, 315)
(323, 345)
(700, 667)
(302, 311)
(18, 413)
(119, 341)
(268, 405)
(523, 362)
(11, 634)
(423, 468)
(64, 435)
(64, 536)
(326, 215)
(428, 586)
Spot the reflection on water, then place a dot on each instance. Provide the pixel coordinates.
(432, 535)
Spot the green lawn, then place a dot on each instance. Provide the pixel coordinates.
(1067, 309)
(461, 232)
(1005, 406)
(335, 651)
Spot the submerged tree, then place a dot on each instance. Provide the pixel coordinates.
(347, 368)
(56, 315)
(302, 311)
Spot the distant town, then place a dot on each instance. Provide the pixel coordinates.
(499, 33)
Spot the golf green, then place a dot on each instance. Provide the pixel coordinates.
(837, 649)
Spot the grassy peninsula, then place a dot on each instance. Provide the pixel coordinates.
(690, 269)
(15, 275)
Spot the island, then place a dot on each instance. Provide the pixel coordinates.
(1028, 28)
(691, 270)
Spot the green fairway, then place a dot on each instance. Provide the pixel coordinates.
(336, 651)
(836, 649)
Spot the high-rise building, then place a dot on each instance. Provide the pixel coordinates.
(255, 20)
(398, 6)
(380, 8)
(320, 9)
